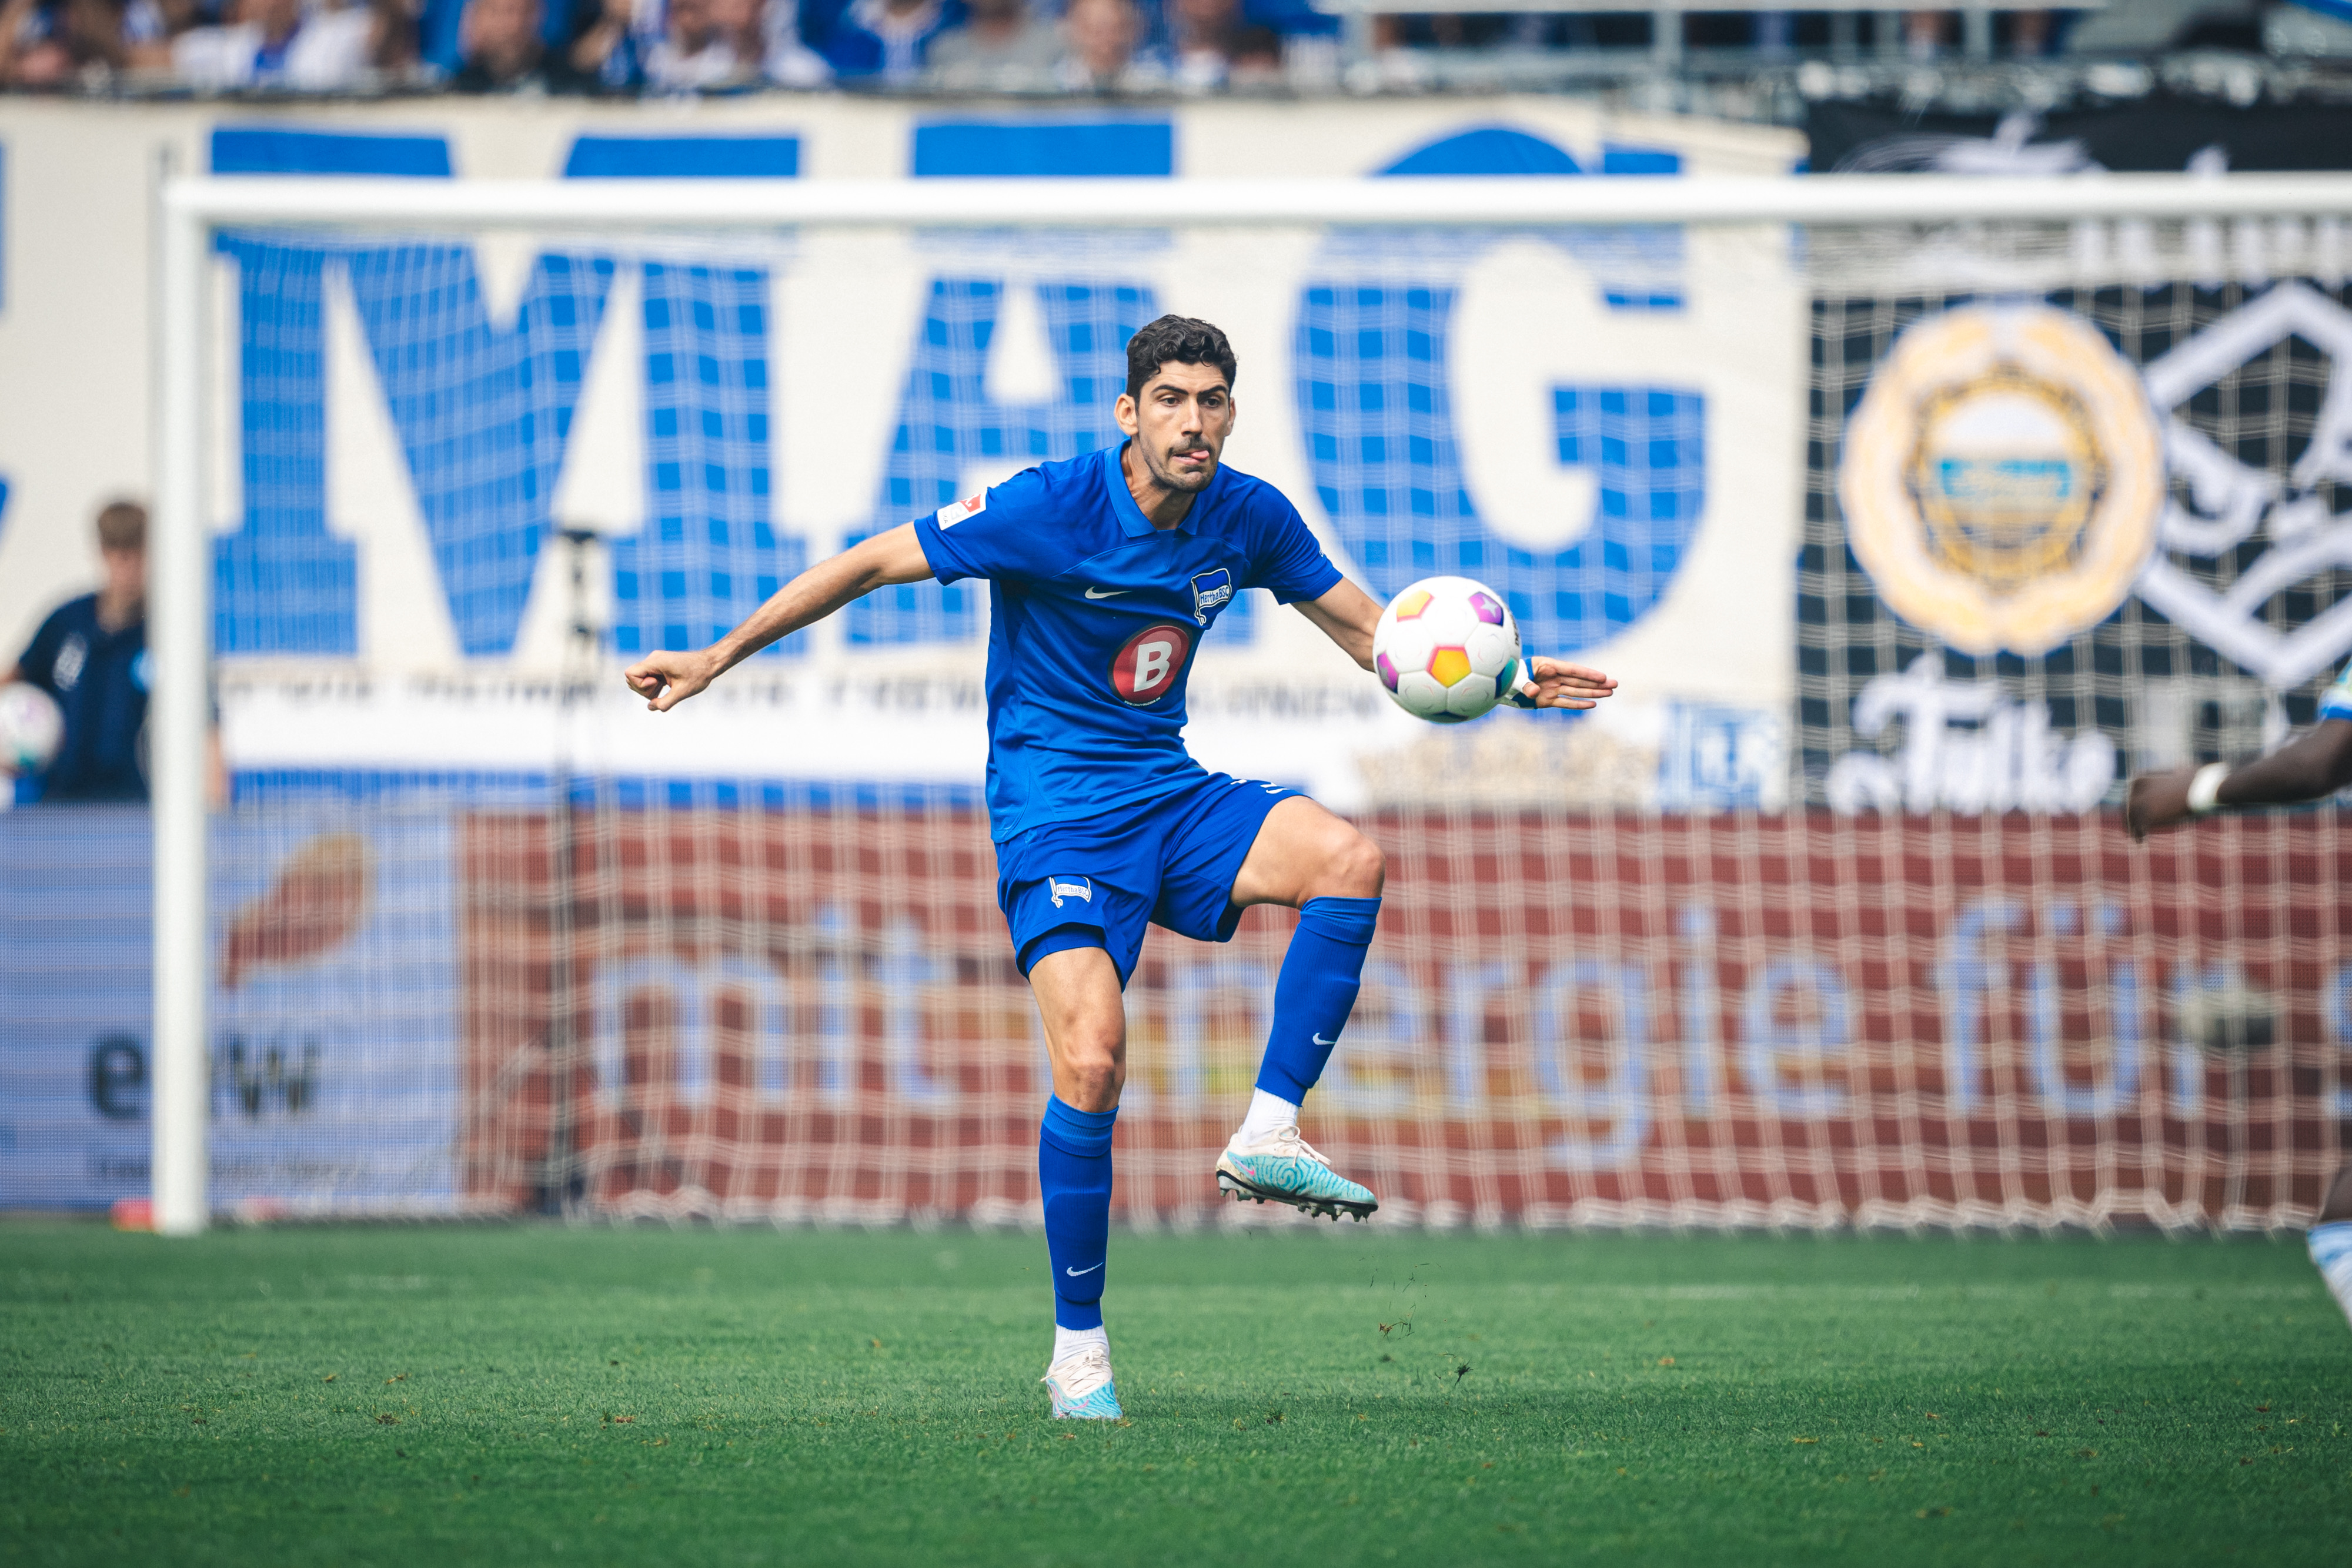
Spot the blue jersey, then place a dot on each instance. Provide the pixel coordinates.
(99, 679)
(1096, 618)
(2336, 702)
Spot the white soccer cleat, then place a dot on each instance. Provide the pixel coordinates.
(1081, 1384)
(1285, 1168)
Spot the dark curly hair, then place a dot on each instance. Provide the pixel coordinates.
(1180, 339)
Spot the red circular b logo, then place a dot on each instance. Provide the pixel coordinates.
(1147, 668)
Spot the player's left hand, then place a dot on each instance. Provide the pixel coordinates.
(1555, 683)
(2157, 800)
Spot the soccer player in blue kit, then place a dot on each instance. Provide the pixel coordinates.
(1105, 573)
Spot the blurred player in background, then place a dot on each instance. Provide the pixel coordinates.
(1106, 571)
(90, 654)
(2309, 767)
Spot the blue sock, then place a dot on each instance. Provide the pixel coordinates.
(1315, 991)
(1074, 1177)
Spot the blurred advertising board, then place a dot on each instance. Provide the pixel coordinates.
(804, 1010)
(811, 1015)
(333, 1012)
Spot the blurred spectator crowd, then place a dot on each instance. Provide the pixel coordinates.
(625, 47)
(1081, 46)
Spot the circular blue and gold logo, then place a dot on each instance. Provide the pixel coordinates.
(2004, 477)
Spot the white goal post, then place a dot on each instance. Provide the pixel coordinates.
(192, 211)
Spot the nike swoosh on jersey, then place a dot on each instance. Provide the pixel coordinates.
(1074, 1273)
(1113, 594)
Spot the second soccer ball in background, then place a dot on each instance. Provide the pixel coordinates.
(1446, 649)
(31, 728)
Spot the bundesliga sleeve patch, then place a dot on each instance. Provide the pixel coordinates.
(955, 512)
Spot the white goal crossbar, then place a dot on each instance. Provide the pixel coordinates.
(192, 211)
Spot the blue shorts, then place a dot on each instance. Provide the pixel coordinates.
(1170, 861)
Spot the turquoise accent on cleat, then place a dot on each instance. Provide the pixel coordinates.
(1102, 1404)
(1082, 1388)
(1288, 1170)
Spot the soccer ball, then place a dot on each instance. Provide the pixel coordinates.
(2233, 1016)
(1448, 649)
(32, 728)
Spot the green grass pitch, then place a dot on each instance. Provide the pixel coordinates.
(642, 1396)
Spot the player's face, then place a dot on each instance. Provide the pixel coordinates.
(126, 572)
(1179, 423)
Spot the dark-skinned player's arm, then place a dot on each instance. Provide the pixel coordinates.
(1347, 615)
(666, 679)
(2315, 764)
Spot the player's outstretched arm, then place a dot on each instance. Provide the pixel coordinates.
(2312, 765)
(667, 678)
(1349, 616)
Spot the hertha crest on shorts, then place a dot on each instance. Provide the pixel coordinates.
(1210, 589)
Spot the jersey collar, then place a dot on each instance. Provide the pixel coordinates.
(1131, 520)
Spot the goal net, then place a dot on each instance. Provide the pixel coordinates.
(1909, 541)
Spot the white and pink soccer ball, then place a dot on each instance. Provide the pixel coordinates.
(31, 728)
(1448, 649)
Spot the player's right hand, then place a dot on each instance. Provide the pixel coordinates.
(666, 679)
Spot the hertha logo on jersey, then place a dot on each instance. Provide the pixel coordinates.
(1146, 667)
(954, 512)
(1210, 589)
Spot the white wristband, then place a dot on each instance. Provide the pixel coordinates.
(2205, 790)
